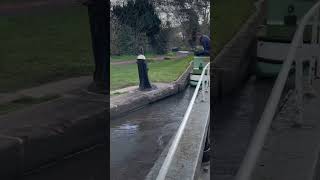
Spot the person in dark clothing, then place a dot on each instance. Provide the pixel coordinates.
(205, 42)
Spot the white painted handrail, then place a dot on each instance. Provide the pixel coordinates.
(167, 161)
(257, 142)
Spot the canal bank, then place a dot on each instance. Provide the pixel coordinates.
(233, 64)
(134, 99)
(34, 136)
(137, 139)
(187, 160)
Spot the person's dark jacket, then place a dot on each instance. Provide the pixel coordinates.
(205, 42)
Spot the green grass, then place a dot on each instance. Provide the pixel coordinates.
(129, 57)
(24, 102)
(125, 57)
(228, 16)
(159, 71)
(44, 46)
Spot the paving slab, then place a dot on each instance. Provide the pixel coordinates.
(58, 87)
(51, 130)
(51, 88)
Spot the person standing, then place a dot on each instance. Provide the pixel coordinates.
(205, 42)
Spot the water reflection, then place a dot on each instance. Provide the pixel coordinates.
(127, 128)
(137, 139)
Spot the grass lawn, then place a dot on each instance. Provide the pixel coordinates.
(55, 44)
(129, 57)
(228, 16)
(123, 58)
(134, 57)
(159, 71)
(44, 46)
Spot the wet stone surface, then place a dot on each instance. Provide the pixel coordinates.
(137, 139)
(234, 121)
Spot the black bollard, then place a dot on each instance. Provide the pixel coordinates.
(143, 74)
(98, 17)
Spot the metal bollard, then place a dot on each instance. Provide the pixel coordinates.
(143, 74)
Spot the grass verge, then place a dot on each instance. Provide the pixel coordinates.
(159, 71)
(127, 57)
(46, 45)
(120, 58)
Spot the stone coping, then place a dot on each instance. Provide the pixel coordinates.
(133, 99)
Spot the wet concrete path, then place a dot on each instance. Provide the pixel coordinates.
(137, 139)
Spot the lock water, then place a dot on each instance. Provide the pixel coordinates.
(136, 141)
(138, 138)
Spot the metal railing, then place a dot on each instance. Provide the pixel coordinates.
(297, 53)
(204, 82)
